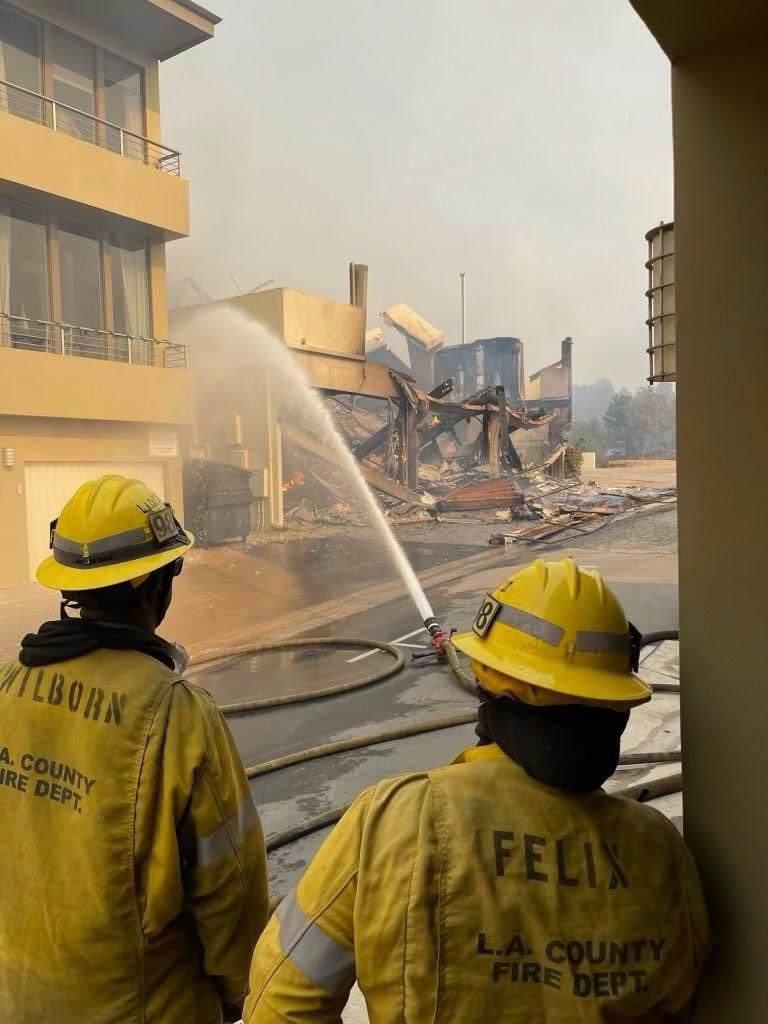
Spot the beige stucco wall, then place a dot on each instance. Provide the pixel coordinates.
(51, 440)
(311, 321)
(67, 387)
(551, 382)
(52, 163)
(554, 382)
(36, 157)
(234, 420)
(301, 320)
(720, 105)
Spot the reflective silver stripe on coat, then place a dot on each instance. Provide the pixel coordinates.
(549, 632)
(320, 958)
(602, 643)
(221, 842)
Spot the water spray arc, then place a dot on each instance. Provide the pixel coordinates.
(376, 515)
(243, 346)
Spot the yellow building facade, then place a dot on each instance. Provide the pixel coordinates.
(719, 71)
(235, 417)
(89, 197)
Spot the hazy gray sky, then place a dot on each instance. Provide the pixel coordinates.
(526, 142)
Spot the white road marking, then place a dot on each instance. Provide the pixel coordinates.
(377, 650)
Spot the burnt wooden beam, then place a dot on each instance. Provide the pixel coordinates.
(411, 448)
(379, 437)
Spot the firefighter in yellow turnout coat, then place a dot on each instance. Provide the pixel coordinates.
(506, 886)
(133, 885)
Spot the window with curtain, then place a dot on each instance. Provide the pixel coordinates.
(131, 302)
(20, 65)
(124, 106)
(29, 294)
(130, 286)
(24, 286)
(73, 69)
(80, 275)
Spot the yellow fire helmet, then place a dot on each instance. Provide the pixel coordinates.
(558, 628)
(110, 531)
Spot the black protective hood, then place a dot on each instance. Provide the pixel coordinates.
(571, 747)
(72, 638)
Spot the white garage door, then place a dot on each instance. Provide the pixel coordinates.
(50, 484)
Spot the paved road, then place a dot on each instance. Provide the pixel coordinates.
(416, 694)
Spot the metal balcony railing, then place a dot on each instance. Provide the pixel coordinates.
(62, 118)
(89, 343)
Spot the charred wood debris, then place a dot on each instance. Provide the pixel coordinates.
(432, 460)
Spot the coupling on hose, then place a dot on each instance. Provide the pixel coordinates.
(437, 639)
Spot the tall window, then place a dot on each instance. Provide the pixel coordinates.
(74, 84)
(101, 293)
(24, 286)
(20, 65)
(81, 284)
(87, 81)
(124, 106)
(130, 286)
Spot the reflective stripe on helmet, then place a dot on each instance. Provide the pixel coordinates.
(209, 849)
(530, 624)
(602, 643)
(320, 958)
(120, 547)
(595, 641)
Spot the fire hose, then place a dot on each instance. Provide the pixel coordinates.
(444, 652)
(377, 676)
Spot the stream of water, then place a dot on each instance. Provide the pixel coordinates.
(244, 346)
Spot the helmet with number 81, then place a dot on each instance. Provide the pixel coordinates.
(553, 633)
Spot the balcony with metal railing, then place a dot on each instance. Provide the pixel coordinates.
(89, 343)
(33, 106)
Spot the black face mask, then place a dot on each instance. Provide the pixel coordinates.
(572, 747)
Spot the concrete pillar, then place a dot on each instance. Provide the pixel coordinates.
(720, 105)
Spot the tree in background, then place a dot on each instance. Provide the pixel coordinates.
(640, 424)
(590, 401)
(651, 422)
(616, 423)
(633, 424)
(590, 436)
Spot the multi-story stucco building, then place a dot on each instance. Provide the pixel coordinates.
(89, 197)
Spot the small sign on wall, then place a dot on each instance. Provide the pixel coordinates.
(164, 445)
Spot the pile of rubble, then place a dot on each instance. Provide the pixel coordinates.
(519, 506)
(564, 510)
(457, 481)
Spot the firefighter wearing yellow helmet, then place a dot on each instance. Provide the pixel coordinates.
(133, 884)
(506, 886)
